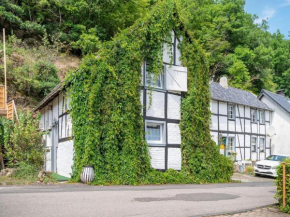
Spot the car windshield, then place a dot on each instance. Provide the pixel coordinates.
(276, 158)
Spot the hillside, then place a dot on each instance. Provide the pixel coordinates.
(33, 70)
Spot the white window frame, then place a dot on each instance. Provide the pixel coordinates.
(254, 115)
(253, 138)
(161, 77)
(228, 144)
(233, 115)
(162, 140)
(262, 145)
(262, 117)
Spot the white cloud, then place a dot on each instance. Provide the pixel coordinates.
(266, 15)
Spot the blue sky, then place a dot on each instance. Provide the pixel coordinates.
(276, 12)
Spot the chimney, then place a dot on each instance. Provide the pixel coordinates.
(224, 82)
(280, 92)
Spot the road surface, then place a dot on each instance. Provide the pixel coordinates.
(140, 201)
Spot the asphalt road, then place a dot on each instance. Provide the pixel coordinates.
(139, 201)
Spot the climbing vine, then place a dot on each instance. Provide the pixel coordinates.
(108, 126)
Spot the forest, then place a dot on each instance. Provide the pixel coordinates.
(48, 38)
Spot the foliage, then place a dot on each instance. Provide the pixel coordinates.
(31, 72)
(250, 170)
(236, 46)
(105, 106)
(71, 18)
(22, 141)
(279, 183)
(26, 171)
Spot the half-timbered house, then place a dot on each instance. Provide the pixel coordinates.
(239, 122)
(161, 99)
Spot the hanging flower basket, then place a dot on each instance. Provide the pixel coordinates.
(87, 174)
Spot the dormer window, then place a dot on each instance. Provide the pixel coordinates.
(231, 111)
(152, 81)
(254, 117)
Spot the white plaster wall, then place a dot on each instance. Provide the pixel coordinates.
(214, 136)
(248, 112)
(248, 141)
(223, 108)
(65, 158)
(240, 124)
(248, 126)
(214, 122)
(174, 136)
(48, 159)
(214, 106)
(262, 129)
(156, 109)
(157, 157)
(177, 54)
(248, 153)
(223, 123)
(173, 106)
(240, 111)
(174, 158)
(254, 128)
(281, 122)
(231, 125)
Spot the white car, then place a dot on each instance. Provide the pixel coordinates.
(268, 167)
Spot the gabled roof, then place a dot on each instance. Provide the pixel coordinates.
(237, 96)
(49, 97)
(282, 101)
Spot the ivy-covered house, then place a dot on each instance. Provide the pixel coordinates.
(239, 122)
(137, 106)
(161, 95)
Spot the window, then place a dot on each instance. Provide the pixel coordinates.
(254, 115)
(65, 126)
(230, 146)
(231, 111)
(254, 144)
(262, 117)
(155, 132)
(262, 144)
(151, 79)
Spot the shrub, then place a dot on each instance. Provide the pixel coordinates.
(250, 170)
(279, 183)
(26, 171)
(22, 141)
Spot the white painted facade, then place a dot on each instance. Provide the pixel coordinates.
(240, 131)
(161, 117)
(162, 114)
(56, 121)
(281, 123)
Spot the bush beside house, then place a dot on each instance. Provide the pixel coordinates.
(22, 148)
(279, 183)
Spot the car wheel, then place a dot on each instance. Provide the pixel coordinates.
(256, 174)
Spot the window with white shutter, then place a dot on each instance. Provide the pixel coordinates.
(176, 78)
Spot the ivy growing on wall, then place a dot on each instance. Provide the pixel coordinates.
(108, 126)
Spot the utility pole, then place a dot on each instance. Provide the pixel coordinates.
(5, 96)
(5, 69)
